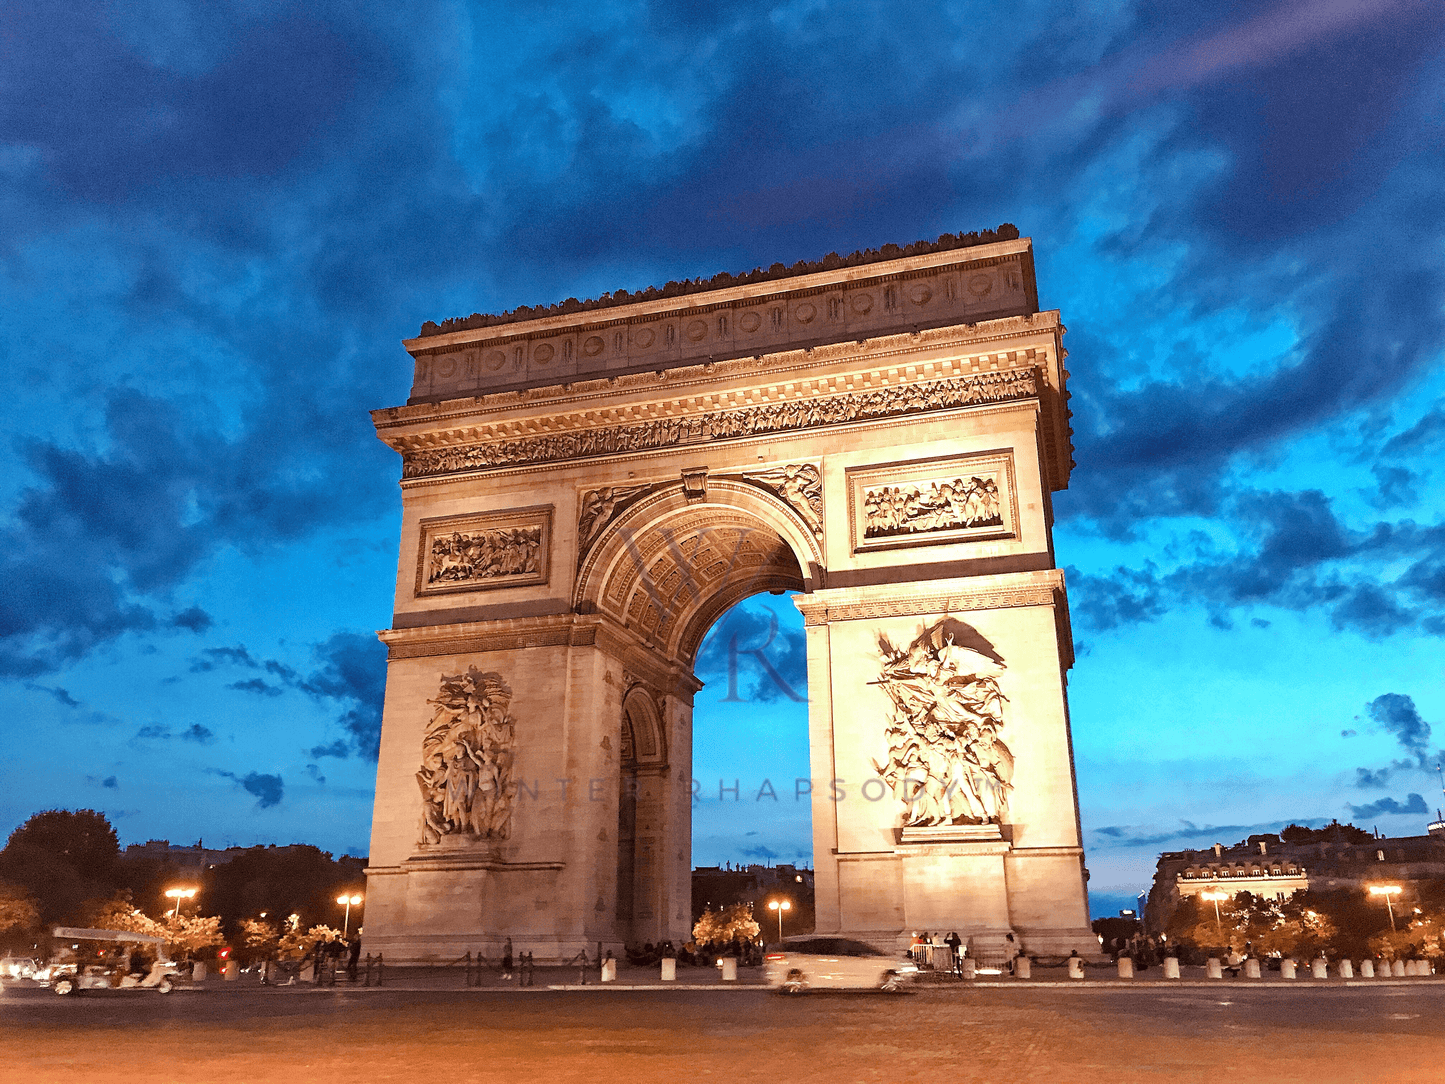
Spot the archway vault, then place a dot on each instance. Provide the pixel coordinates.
(672, 563)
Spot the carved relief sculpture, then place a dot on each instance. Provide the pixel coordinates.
(598, 508)
(801, 486)
(946, 762)
(948, 504)
(466, 760)
(479, 552)
(961, 499)
(991, 387)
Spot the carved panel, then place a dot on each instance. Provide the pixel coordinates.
(466, 760)
(484, 550)
(599, 507)
(933, 502)
(801, 485)
(947, 763)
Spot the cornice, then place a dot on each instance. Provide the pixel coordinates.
(775, 366)
(1000, 592)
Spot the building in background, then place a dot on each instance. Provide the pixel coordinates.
(1277, 866)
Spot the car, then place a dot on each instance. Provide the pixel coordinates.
(835, 963)
(18, 967)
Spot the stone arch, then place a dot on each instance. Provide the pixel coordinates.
(672, 563)
(641, 787)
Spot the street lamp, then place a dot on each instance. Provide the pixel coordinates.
(1215, 897)
(179, 894)
(348, 900)
(1387, 891)
(779, 906)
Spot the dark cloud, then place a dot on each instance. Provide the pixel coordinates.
(315, 773)
(352, 674)
(257, 686)
(1396, 713)
(61, 695)
(153, 732)
(1195, 834)
(1413, 804)
(194, 618)
(1425, 434)
(1394, 486)
(198, 733)
(338, 748)
(212, 657)
(753, 658)
(109, 781)
(268, 789)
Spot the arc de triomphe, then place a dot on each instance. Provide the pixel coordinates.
(587, 489)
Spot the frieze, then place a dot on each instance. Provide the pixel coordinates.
(485, 550)
(599, 507)
(960, 391)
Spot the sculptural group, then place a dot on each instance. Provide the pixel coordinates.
(466, 762)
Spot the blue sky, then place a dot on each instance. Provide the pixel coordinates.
(218, 220)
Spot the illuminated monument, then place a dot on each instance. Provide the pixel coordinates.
(585, 489)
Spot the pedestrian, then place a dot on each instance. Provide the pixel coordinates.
(528, 970)
(953, 941)
(507, 961)
(353, 955)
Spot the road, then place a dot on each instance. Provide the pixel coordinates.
(1180, 1035)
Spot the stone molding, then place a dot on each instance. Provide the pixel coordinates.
(947, 596)
(489, 863)
(779, 368)
(675, 432)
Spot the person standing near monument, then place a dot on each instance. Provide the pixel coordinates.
(954, 942)
(507, 961)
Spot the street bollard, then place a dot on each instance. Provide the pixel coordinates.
(969, 968)
(1346, 969)
(233, 970)
(669, 969)
(1367, 969)
(1412, 967)
(609, 970)
(1023, 968)
(198, 972)
(1319, 968)
(1286, 969)
(1397, 969)
(1214, 969)
(1171, 967)
(1251, 968)
(1076, 967)
(1126, 967)
(729, 969)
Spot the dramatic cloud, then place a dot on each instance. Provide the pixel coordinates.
(198, 733)
(1396, 713)
(60, 695)
(753, 658)
(268, 789)
(1413, 804)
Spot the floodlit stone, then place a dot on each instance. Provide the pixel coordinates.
(585, 493)
(1251, 968)
(1367, 969)
(1214, 969)
(1171, 967)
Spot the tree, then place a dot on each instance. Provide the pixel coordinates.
(119, 913)
(62, 858)
(722, 926)
(187, 935)
(17, 909)
(260, 938)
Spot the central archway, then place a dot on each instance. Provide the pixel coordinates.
(667, 568)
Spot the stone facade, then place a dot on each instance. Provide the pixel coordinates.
(881, 439)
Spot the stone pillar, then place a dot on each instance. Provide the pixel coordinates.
(1286, 969)
(1251, 968)
(1214, 969)
(1346, 969)
(1126, 967)
(1367, 968)
(1023, 968)
(729, 969)
(1171, 967)
(1397, 969)
(669, 969)
(1319, 968)
(1076, 967)
(609, 970)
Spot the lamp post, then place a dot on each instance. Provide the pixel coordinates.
(179, 894)
(1387, 891)
(779, 906)
(346, 923)
(1214, 898)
